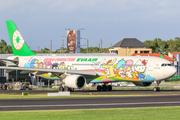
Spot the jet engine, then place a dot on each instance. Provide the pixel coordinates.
(75, 81)
(145, 84)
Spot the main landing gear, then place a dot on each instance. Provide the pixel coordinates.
(104, 88)
(65, 88)
(157, 88)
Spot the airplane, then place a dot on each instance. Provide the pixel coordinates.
(76, 71)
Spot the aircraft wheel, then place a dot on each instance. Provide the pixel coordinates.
(71, 90)
(156, 89)
(99, 88)
(109, 87)
(104, 88)
(61, 88)
(66, 88)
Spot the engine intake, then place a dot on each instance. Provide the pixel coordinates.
(75, 81)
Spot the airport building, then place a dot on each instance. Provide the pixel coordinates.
(129, 46)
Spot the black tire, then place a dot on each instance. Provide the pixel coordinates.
(99, 88)
(109, 87)
(156, 89)
(104, 88)
(71, 89)
(66, 88)
(61, 89)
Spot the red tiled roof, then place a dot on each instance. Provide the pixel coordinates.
(153, 54)
(175, 53)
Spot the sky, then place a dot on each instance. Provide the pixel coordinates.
(40, 21)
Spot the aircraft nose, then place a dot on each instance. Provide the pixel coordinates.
(172, 71)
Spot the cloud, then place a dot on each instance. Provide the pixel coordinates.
(138, 9)
(148, 78)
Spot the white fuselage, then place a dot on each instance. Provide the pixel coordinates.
(113, 68)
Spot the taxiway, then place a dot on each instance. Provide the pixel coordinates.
(88, 103)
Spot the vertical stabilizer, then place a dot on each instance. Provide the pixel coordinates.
(18, 44)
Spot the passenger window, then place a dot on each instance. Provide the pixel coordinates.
(162, 65)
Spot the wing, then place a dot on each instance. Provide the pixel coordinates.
(55, 72)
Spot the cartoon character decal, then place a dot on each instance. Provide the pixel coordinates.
(140, 68)
(98, 65)
(34, 63)
(112, 69)
(128, 68)
(55, 66)
(109, 68)
(120, 67)
(62, 66)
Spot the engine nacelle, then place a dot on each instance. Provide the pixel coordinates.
(75, 81)
(145, 84)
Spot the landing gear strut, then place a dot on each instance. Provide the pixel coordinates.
(61, 88)
(104, 88)
(65, 88)
(157, 88)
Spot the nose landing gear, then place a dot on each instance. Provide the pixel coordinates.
(157, 88)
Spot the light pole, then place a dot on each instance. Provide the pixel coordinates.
(51, 46)
(62, 48)
(78, 50)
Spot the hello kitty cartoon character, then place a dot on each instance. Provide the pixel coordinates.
(140, 68)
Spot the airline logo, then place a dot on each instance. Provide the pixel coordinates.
(18, 41)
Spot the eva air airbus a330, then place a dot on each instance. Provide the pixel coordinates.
(76, 71)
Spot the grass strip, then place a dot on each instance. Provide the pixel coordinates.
(149, 113)
(38, 96)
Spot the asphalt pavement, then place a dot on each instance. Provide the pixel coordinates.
(88, 103)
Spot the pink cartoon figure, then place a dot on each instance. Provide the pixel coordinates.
(48, 64)
(128, 68)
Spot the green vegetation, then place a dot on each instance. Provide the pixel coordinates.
(4, 48)
(151, 113)
(174, 78)
(157, 45)
(64, 50)
(164, 46)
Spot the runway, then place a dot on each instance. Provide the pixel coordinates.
(87, 103)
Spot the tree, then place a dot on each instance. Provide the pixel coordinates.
(4, 48)
(163, 47)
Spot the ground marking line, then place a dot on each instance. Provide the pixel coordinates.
(104, 104)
